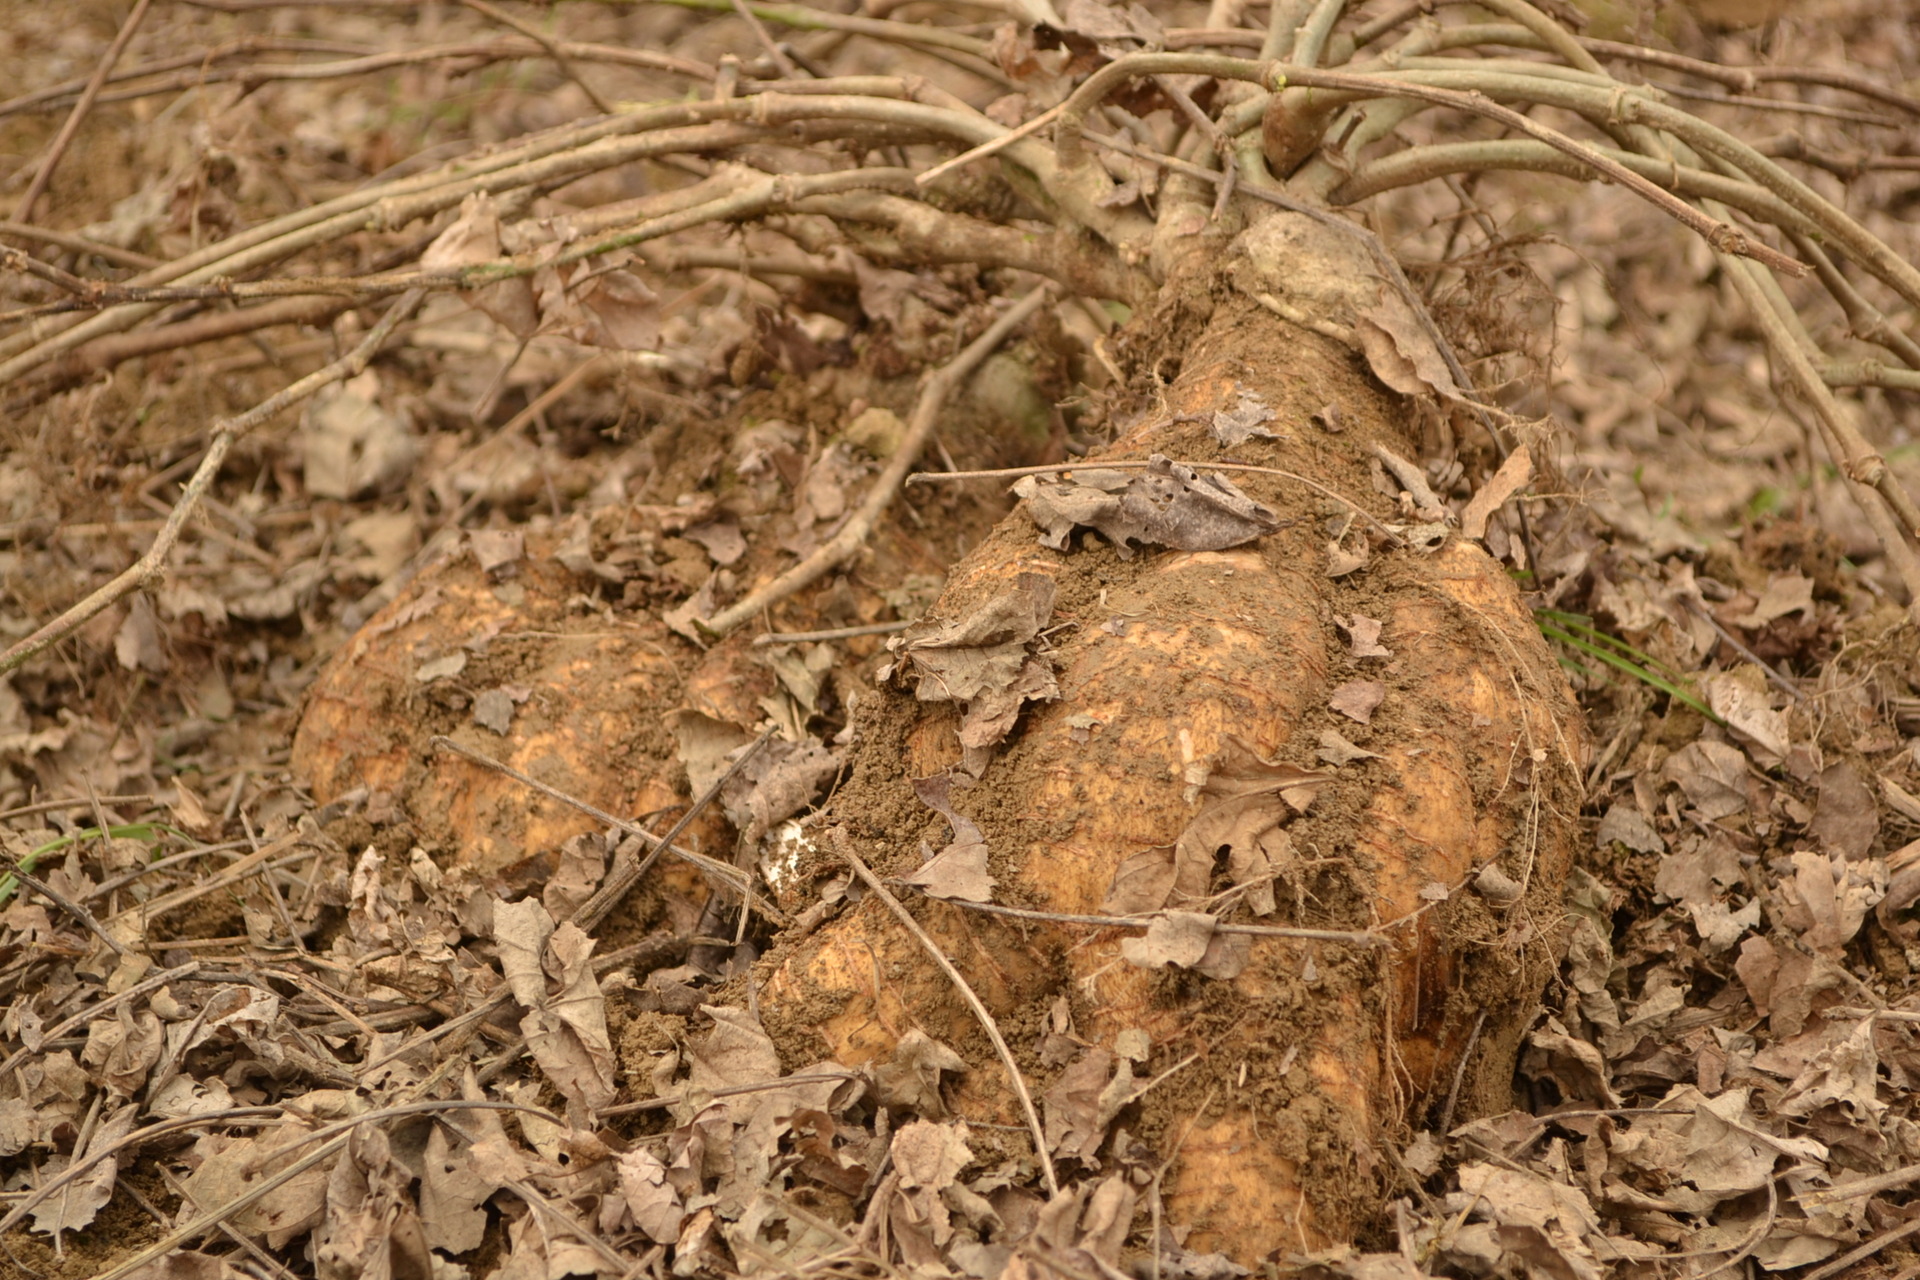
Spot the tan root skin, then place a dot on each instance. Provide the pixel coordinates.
(368, 719)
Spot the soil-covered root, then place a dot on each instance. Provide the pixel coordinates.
(1169, 665)
(507, 662)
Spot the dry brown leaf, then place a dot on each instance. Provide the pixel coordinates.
(1513, 476)
(1358, 699)
(1170, 505)
(1741, 698)
(75, 1205)
(959, 870)
(1363, 636)
(1336, 750)
(910, 1078)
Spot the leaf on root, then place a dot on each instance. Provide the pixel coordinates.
(1170, 504)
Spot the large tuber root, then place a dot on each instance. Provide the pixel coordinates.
(1286, 1083)
(1308, 1060)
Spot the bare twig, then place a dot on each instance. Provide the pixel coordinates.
(23, 212)
(625, 875)
(153, 564)
(546, 42)
(79, 244)
(734, 876)
(942, 384)
(1348, 937)
(844, 846)
(837, 633)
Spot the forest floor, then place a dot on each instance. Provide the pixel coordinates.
(222, 922)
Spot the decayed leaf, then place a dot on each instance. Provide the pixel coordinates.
(1740, 698)
(910, 1079)
(75, 1205)
(981, 661)
(1336, 750)
(1169, 504)
(959, 870)
(1363, 636)
(1358, 699)
(1246, 419)
(1513, 476)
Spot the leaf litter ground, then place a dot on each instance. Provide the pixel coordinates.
(1722, 1068)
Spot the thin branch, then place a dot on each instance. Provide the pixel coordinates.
(1348, 937)
(843, 845)
(625, 874)
(740, 880)
(546, 42)
(1720, 235)
(942, 384)
(837, 633)
(154, 563)
(79, 244)
(23, 212)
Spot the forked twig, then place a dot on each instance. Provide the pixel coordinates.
(844, 846)
(225, 433)
(853, 534)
